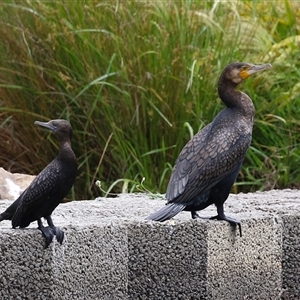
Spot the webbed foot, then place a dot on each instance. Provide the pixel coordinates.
(59, 234)
(48, 234)
(231, 221)
(56, 231)
(196, 216)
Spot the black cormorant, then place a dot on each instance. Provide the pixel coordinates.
(209, 163)
(49, 187)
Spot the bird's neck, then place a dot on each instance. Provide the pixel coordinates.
(235, 99)
(66, 151)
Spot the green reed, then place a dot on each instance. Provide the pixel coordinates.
(138, 79)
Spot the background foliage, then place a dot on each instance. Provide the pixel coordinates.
(137, 79)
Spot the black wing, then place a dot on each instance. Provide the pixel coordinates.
(36, 196)
(211, 155)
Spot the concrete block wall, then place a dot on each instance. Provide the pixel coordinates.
(111, 252)
(91, 264)
(291, 257)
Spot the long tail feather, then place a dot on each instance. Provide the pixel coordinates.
(167, 212)
(10, 211)
(7, 215)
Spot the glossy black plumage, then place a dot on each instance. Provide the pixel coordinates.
(209, 163)
(49, 187)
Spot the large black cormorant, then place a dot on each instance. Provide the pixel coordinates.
(49, 187)
(209, 163)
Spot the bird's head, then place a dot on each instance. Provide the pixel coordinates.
(239, 71)
(62, 128)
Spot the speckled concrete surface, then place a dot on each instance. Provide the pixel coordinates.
(111, 252)
(291, 257)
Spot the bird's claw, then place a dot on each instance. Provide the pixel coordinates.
(59, 234)
(231, 221)
(48, 234)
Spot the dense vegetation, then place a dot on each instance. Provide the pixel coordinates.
(137, 79)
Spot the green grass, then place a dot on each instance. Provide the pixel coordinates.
(138, 79)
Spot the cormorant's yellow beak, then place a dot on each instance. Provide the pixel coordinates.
(252, 69)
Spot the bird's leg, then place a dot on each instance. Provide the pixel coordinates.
(47, 232)
(195, 214)
(57, 232)
(221, 216)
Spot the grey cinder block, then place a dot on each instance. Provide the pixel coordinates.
(291, 257)
(248, 267)
(167, 261)
(91, 263)
(111, 252)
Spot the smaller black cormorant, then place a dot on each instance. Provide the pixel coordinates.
(49, 187)
(209, 163)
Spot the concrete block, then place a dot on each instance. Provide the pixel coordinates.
(291, 257)
(25, 269)
(248, 267)
(167, 261)
(111, 252)
(92, 263)
(205, 260)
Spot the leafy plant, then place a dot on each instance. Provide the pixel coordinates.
(138, 79)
